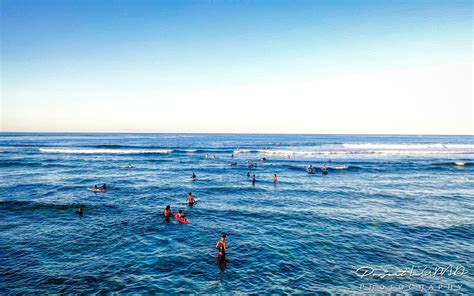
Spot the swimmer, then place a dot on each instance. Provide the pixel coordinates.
(221, 247)
(275, 178)
(232, 155)
(248, 174)
(167, 212)
(190, 199)
(80, 211)
(181, 214)
(254, 179)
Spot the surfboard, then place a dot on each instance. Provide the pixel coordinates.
(182, 220)
(96, 190)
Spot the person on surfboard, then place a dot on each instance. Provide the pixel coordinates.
(194, 176)
(190, 199)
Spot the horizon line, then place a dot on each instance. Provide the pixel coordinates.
(228, 133)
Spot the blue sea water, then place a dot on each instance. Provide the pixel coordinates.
(388, 203)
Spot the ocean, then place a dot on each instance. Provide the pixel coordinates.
(388, 204)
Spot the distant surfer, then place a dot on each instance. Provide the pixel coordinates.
(181, 214)
(80, 211)
(275, 178)
(167, 212)
(96, 188)
(194, 177)
(190, 199)
(324, 170)
(221, 247)
(310, 169)
(254, 179)
(232, 155)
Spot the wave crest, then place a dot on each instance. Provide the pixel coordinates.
(104, 151)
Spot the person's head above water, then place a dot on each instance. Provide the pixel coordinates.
(224, 235)
(180, 211)
(190, 193)
(168, 207)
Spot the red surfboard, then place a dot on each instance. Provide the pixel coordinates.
(182, 220)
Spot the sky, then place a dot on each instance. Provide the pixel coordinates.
(338, 67)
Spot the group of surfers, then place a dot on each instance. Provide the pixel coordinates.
(312, 170)
(221, 244)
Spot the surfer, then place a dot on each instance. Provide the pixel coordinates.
(254, 179)
(275, 178)
(221, 247)
(190, 200)
(324, 170)
(167, 212)
(103, 187)
(194, 176)
(181, 214)
(80, 211)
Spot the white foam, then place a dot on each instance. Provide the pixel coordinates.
(242, 151)
(276, 152)
(103, 151)
(339, 167)
(380, 152)
(393, 146)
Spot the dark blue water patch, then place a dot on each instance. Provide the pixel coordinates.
(21, 205)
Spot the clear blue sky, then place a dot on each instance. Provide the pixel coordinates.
(237, 66)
